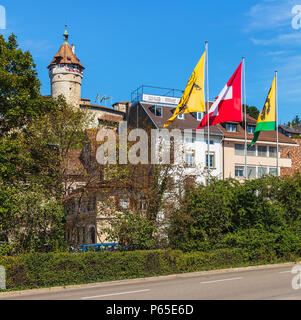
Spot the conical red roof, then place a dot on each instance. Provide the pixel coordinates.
(65, 56)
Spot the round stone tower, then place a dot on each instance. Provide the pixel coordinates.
(66, 73)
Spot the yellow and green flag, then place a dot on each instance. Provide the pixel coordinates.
(193, 99)
(267, 118)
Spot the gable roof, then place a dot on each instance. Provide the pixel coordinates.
(265, 136)
(189, 121)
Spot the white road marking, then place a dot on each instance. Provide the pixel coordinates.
(290, 271)
(213, 281)
(115, 294)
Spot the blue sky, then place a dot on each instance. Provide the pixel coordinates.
(126, 43)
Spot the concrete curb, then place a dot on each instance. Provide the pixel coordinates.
(126, 281)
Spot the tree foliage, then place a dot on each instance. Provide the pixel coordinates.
(20, 98)
(258, 213)
(36, 135)
(252, 111)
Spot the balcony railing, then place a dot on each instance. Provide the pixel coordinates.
(158, 91)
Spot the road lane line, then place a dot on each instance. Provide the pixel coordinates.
(213, 281)
(115, 294)
(290, 271)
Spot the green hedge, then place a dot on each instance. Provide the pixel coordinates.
(59, 269)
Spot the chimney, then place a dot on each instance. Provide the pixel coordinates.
(73, 48)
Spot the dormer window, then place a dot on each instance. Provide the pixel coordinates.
(157, 111)
(231, 127)
(200, 116)
(251, 129)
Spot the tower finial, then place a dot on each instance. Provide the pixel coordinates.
(66, 34)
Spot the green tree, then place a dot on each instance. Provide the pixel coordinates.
(252, 111)
(33, 221)
(257, 214)
(20, 98)
(296, 121)
(36, 135)
(132, 228)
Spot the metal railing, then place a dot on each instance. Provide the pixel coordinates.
(137, 94)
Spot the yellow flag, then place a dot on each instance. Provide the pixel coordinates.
(267, 118)
(193, 99)
(268, 113)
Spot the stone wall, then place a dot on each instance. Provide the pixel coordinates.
(66, 83)
(293, 153)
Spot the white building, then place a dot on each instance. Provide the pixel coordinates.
(152, 111)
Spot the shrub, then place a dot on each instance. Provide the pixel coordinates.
(59, 269)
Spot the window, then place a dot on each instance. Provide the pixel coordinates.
(190, 139)
(157, 111)
(124, 204)
(239, 171)
(143, 205)
(272, 152)
(181, 116)
(212, 160)
(190, 159)
(251, 129)
(262, 171)
(231, 127)
(91, 206)
(273, 172)
(84, 207)
(239, 149)
(252, 151)
(262, 151)
(251, 172)
(200, 116)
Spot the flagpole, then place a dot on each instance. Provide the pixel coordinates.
(208, 118)
(245, 118)
(277, 131)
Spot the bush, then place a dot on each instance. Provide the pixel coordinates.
(261, 216)
(59, 269)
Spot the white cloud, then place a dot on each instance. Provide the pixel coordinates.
(269, 15)
(282, 39)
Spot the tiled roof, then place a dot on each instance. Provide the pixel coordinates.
(121, 102)
(65, 56)
(265, 136)
(102, 108)
(189, 122)
(110, 117)
(292, 130)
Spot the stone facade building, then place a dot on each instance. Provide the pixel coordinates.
(294, 154)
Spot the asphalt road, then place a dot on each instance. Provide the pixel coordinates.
(263, 283)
